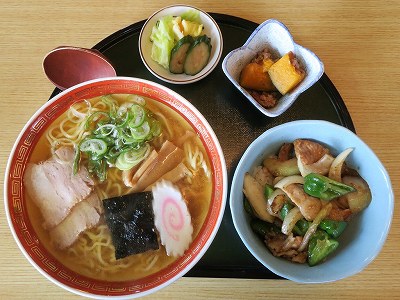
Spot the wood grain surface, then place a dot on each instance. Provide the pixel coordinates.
(359, 43)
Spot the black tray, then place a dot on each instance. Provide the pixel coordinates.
(236, 123)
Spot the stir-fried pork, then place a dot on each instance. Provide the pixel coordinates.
(308, 205)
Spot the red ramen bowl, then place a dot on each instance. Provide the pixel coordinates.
(16, 199)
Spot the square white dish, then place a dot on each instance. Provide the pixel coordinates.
(274, 35)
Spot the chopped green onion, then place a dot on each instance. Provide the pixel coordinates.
(117, 137)
(96, 117)
(105, 129)
(155, 127)
(140, 133)
(138, 116)
(96, 147)
(129, 159)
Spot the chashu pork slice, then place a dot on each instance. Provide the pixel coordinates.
(55, 189)
(85, 215)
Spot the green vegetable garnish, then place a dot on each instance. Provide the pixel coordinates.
(117, 138)
(333, 228)
(320, 247)
(191, 15)
(268, 190)
(164, 39)
(324, 188)
(261, 228)
(301, 225)
(247, 207)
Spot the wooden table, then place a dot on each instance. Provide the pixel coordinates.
(359, 43)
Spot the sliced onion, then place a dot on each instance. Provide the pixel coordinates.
(271, 199)
(275, 193)
(277, 179)
(290, 220)
(313, 227)
(289, 180)
(335, 171)
(79, 114)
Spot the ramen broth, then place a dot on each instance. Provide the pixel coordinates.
(196, 191)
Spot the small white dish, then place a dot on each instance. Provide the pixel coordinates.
(366, 232)
(211, 29)
(274, 35)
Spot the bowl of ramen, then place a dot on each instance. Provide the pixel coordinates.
(311, 201)
(115, 187)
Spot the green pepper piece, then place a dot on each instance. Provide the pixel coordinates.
(301, 225)
(322, 187)
(262, 228)
(333, 228)
(285, 210)
(268, 190)
(320, 247)
(247, 207)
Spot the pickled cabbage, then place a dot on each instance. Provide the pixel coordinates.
(168, 30)
(192, 16)
(162, 37)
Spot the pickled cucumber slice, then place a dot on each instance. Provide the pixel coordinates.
(178, 54)
(198, 55)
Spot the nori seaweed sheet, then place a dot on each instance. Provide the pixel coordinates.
(130, 219)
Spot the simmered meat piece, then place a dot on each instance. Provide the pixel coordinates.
(130, 219)
(266, 99)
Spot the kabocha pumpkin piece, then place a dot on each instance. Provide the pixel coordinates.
(254, 77)
(267, 63)
(286, 73)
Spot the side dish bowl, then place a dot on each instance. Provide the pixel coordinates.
(30, 242)
(274, 35)
(365, 234)
(211, 29)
